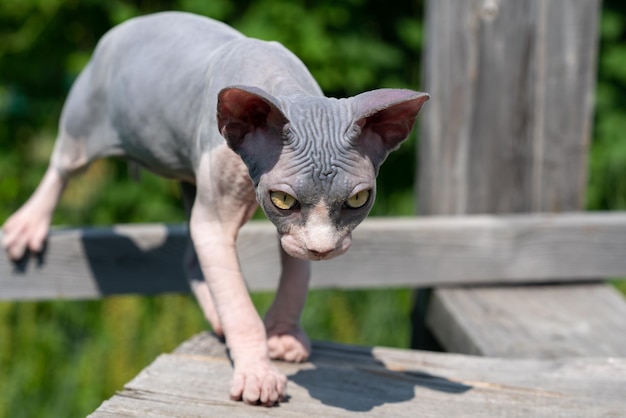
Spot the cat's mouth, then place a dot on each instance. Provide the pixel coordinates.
(312, 250)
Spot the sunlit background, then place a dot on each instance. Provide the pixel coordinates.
(63, 358)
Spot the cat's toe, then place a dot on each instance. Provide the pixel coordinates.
(293, 347)
(260, 384)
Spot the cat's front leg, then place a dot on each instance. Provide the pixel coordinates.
(224, 202)
(255, 379)
(286, 340)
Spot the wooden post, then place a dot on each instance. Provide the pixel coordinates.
(508, 126)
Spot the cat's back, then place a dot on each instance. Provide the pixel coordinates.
(142, 90)
(165, 36)
(186, 27)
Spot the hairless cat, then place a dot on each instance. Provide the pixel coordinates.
(239, 122)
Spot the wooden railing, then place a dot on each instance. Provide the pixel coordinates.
(387, 252)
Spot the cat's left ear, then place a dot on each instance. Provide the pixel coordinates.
(386, 118)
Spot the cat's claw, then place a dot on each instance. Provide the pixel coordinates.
(258, 384)
(292, 346)
(24, 231)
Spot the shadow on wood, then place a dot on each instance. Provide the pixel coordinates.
(368, 385)
(144, 264)
(94, 262)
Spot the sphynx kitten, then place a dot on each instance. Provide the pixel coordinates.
(240, 122)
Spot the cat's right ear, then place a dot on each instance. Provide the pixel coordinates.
(243, 109)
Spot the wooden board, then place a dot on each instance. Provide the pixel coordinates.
(508, 126)
(92, 262)
(507, 130)
(345, 381)
(573, 320)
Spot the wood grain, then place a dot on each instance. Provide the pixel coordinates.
(508, 126)
(553, 321)
(346, 381)
(434, 251)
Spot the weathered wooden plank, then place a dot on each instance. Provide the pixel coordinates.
(87, 263)
(90, 262)
(508, 126)
(567, 320)
(344, 381)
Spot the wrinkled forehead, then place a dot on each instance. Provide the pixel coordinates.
(324, 112)
(320, 135)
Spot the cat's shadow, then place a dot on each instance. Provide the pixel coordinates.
(114, 262)
(354, 380)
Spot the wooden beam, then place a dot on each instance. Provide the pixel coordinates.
(565, 320)
(93, 262)
(345, 381)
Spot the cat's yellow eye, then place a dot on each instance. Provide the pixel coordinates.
(358, 199)
(283, 200)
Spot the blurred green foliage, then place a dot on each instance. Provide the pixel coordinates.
(61, 358)
(607, 165)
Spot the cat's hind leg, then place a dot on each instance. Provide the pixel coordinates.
(85, 134)
(27, 228)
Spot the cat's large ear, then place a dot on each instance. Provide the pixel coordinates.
(242, 109)
(386, 118)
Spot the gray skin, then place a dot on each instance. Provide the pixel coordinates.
(234, 119)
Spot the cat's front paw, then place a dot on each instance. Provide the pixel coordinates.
(293, 345)
(258, 384)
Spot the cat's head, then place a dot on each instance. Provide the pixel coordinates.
(314, 160)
